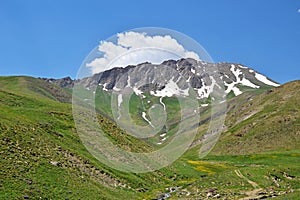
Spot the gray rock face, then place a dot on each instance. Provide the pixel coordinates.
(66, 82)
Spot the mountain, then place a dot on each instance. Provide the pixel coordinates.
(151, 84)
(172, 78)
(66, 82)
(256, 157)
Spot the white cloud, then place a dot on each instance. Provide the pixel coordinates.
(133, 48)
(299, 10)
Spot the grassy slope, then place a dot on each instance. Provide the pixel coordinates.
(261, 143)
(268, 122)
(36, 128)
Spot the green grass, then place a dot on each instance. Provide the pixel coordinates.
(269, 122)
(36, 128)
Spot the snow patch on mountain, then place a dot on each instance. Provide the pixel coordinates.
(138, 92)
(162, 103)
(163, 134)
(170, 89)
(264, 79)
(116, 89)
(204, 105)
(128, 81)
(193, 71)
(248, 83)
(231, 87)
(240, 79)
(188, 80)
(145, 118)
(206, 90)
(120, 99)
(236, 72)
(104, 87)
(241, 66)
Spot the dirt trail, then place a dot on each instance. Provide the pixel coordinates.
(239, 174)
(252, 194)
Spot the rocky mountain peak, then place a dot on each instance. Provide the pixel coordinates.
(175, 77)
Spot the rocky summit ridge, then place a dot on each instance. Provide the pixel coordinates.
(175, 77)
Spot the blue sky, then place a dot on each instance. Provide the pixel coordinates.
(51, 38)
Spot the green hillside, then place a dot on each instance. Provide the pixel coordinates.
(42, 156)
(269, 122)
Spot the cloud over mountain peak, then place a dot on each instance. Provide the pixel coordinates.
(132, 48)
